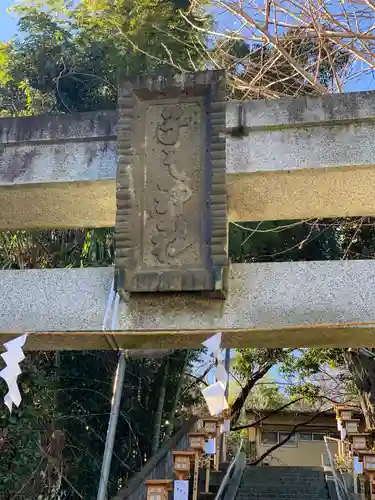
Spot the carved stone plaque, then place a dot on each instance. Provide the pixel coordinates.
(171, 225)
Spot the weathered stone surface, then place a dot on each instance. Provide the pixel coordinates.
(63, 148)
(171, 225)
(305, 132)
(269, 305)
(58, 171)
(302, 158)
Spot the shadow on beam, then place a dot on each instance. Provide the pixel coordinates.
(298, 336)
(295, 304)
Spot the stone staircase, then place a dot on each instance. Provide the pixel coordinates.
(216, 478)
(283, 483)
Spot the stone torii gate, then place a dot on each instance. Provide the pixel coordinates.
(187, 161)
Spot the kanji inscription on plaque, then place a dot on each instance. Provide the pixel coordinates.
(171, 225)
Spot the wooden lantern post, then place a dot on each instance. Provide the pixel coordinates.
(347, 410)
(218, 437)
(359, 441)
(369, 470)
(362, 487)
(181, 464)
(352, 426)
(196, 443)
(226, 415)
(210, 426)
(225, 428)
(346, 415)
(157, 489)
(361, 475)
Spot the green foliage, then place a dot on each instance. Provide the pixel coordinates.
(250, 360)
(25, 434)
(74, 396)
(250, 367)
(279, 241)
(68, 59)
(357, 238)
(4, 64)
(266, 395)
(71, 56)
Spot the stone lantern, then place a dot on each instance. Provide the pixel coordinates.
(157, 489)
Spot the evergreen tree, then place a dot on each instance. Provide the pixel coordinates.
(67, 59)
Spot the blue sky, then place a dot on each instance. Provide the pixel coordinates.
(8, 24)
(8, 27)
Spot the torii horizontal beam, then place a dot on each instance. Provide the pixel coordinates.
(288, 159)
(295, 304)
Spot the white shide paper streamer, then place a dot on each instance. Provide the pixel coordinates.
(213, 344)
(214, 394)
(221, 374)
(12, 357)
(215, 398)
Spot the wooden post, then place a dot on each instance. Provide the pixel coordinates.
(342, 450)
(368, 458)
(208, 467)
(196, 443)
(372, 485)
(224, 434)
(212, 427)
(217, 454)
(362, 487)
(196, 475)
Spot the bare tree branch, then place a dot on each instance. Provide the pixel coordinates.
(240, 400)
(273, 412)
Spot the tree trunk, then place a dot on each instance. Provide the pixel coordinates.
(362, 369)
(178, 394)
(159, 410)
(240, 400)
